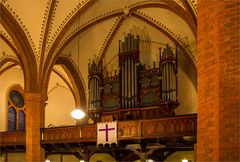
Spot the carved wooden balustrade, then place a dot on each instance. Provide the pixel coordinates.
(12, 138)
(155, 128)
(185, 125)
(70, 134)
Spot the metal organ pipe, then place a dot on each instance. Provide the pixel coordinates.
(135, 84)
(128, 71)
(129, 83)
(132, 88)
(94, 94)
(165, 83)
(168, 79)
(171, 83)
(91, 93)
(125, 84)
(97, 92)
(122, 86)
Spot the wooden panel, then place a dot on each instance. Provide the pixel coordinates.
(89, 133)
(180, 126)
(86, 133)
(129, 129)
(12, 138)
(63, 134)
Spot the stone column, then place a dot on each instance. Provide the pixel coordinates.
(34, 121)
(218, 80)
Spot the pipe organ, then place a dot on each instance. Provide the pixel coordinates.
(134, 91)
(95, 90)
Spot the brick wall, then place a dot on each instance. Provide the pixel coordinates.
(218, 80)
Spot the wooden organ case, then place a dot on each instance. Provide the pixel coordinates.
(134, 91)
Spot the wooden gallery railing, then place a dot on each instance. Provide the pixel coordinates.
(127, 130)
(12, 138)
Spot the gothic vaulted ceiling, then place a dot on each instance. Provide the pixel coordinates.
(81, 30)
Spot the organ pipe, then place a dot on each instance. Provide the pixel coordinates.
(168, 69)
(129, 83)
(128, 60)
(133, 85)
(126, 84)
(136, 85)
(95, 84)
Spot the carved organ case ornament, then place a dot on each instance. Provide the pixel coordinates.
(134, 91)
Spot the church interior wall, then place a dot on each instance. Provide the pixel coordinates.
(70, 158)
(60, 103)
(16, 157)
(181, 155)
(65, 158)
(102, 157)
(187, 86)
(54, 157)
(2, 158)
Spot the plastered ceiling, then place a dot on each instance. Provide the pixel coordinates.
(81, 30)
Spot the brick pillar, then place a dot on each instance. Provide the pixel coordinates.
(34, 121)
(218, 80)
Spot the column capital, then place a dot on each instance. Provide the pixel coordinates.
(34, 96)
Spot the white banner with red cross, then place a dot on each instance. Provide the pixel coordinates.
(107, 133)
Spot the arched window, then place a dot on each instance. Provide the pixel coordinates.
(15, 110)
(21, 120)
(11, 119)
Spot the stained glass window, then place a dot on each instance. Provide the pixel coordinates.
(11, 119)
(21, 120)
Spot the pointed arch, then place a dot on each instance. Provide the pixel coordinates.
(79, 91)
(26, 54)
(75, 78)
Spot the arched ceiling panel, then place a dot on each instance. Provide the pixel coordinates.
(6, 51)
(5, 34)
(31, 15)
(179, 26)
(102, 7)
(90, 42)
(58, 69)
(63, 10)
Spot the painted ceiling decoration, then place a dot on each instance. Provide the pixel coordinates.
(53, 28)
